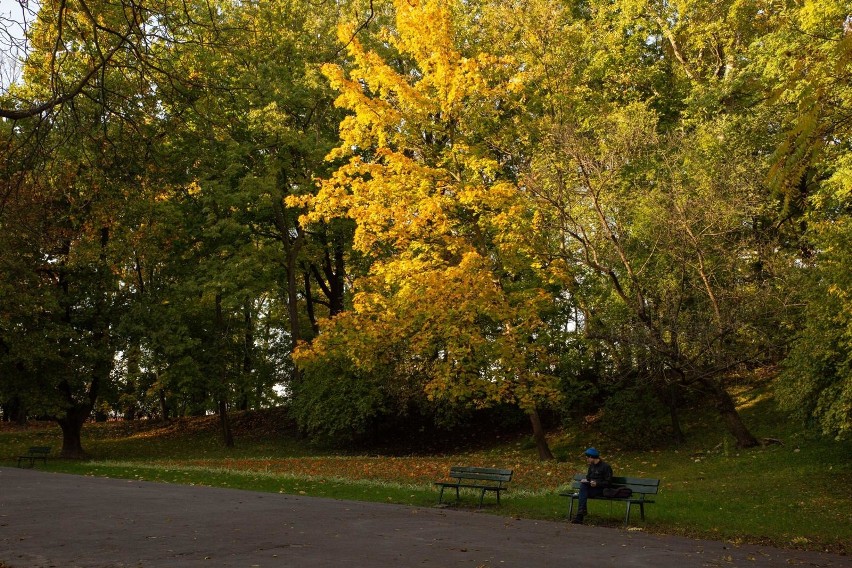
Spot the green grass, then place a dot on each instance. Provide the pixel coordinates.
(794, 495)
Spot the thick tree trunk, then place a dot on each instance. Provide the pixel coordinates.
(72, 429)
(77, 412)
(544, 452)
(79, 407)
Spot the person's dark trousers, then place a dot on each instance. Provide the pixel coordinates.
(586, 491)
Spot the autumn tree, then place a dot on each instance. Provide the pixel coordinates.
(448, 297)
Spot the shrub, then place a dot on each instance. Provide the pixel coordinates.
(635, 418)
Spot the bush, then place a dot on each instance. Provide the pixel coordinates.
(635, 418)
(334, 402)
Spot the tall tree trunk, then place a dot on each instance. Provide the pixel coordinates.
(677, 432)
(336, 274)
(164, 404)
(293, 298)
(248, 355)
(309, 301)
(544, 452)
(76, 410)
(292, 238)
(222, 386)
(225, 423)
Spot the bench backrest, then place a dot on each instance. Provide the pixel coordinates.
(643, 485)
(39, 450)
(481, 474)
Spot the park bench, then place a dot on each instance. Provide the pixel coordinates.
(480, 479)
(33, 454)
(641, 488)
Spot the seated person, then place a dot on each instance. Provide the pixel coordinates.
(598, 477)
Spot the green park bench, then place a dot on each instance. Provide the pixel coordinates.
(33, 454)
(641, 488)
(482, 479)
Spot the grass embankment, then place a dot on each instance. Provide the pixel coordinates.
(794, 494)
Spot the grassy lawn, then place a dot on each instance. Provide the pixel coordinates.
(794, 494)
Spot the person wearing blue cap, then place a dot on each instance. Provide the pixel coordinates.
(598, 477)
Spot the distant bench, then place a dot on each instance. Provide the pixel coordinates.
(482, 479)
(33, 454)
(641, 488)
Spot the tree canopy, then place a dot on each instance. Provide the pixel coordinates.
(375, 210)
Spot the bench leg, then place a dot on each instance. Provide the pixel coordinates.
(441, 495)
(627, 515)
(571, 507)
(481, 497)
(642, 510)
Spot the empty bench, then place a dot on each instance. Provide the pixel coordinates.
(33, 454)
(482, 479)
(641, 489)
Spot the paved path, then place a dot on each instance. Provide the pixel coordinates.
(68, 521)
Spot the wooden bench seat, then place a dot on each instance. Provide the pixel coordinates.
(482, 479)
(641, 488)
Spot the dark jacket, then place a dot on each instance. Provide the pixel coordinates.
(600, 472)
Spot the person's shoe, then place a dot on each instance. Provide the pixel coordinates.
(578, 520)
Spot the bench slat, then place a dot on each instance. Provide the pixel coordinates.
(481, 473)
(481, 470)
(643, 489)
(636, 484)
(456, 471)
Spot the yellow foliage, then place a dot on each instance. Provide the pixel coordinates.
(438, 221)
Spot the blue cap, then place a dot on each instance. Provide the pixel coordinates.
(592, 453)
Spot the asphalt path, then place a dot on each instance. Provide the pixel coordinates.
(68, 521)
